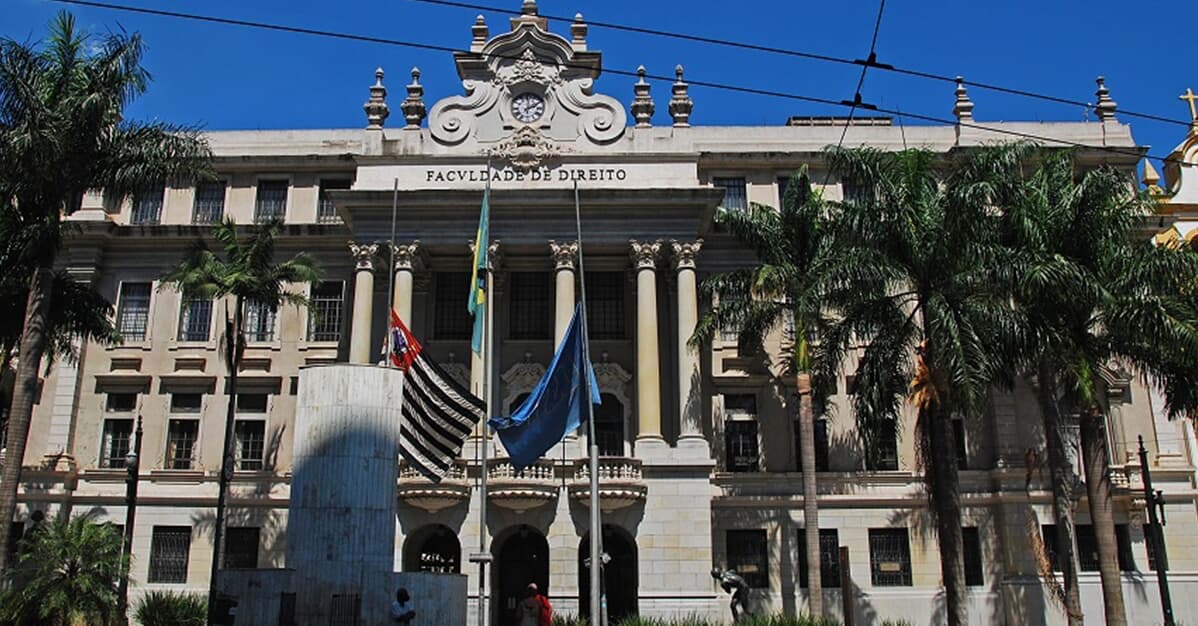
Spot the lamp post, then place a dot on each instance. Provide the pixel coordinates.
(132, 462)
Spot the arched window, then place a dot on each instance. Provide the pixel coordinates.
(433, 549)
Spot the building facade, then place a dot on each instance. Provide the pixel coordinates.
(700, 463)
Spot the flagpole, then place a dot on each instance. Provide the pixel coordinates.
(596, 524)
(391, 274)
(485, 441)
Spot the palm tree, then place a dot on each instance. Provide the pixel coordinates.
(63, 131)
(789, 244)
(249, 275)
(913, 281)
(67, 571)
(1097, 297)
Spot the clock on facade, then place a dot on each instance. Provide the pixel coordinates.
(528, 107)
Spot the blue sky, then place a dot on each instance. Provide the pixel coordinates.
(227, 77)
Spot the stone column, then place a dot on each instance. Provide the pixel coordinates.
(407, 261)
(648, 364)
(690, 431)
(564, 257)
(359, 341)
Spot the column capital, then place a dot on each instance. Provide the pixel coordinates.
(409, 256)
(565, 255)
(494, 256)
(363, 254)
(685, 253)
(644, 253)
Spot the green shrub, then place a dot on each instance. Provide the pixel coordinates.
(168, 608)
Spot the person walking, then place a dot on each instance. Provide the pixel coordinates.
(402, 611)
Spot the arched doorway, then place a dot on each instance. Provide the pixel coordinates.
(521, 557)
(433, 548)
(619, 575)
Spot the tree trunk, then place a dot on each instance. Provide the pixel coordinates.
(233, 360)
(815, 589)
(946, 498)
(1102, 515)
(33, 345)
(1061, 472)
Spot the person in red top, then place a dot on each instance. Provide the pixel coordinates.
(535, 609)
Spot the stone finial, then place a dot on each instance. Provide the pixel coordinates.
(376, 107)
(413, 106)
(644, 253)
(681, 104)
(529, 7)
(363, 254)
(578, 32)
(1105, 108)
(564, 254)
(479, 32)
(1151, 178)
(642, 104)
(685, 253)
(963, 106)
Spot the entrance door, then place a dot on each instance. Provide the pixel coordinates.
(521, 558)
(619, 575)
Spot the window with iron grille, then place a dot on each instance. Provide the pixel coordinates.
(748, 555)
(345, 609)
(959, 443)
(889, 557)
(271, 202)
(530, 307)
(259, 320)
(115, 443)
(821, 444)
(147, 206)
(170, 547)
(609, 426)
(195, 320)
(241, 547)
(971, 546)
(740, 432)
(884, 455)
(209, 203)
(133, 312)
(250, 444)
(735, 196)
(324, 311)
(451, 319)
(326, 213)
(829, 558)
(181, 442)
(1087, 547)
(605, 305)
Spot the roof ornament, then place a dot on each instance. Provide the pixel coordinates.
(479, 32)
(578, 33)
(681, 104)
(1192, 98)
(642, 104)
(1151, 179)
(413, 106)
(1105, 108)
(376, 107)
(963, 106)
(529, 7)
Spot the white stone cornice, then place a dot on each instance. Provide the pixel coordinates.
(564, 254)
(685, 253)
(644, 254)
(363, 254)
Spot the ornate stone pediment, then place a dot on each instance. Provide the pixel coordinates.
(528, 96)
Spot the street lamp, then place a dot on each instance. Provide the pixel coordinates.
(132, 460)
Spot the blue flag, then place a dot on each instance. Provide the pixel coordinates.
(556, 406)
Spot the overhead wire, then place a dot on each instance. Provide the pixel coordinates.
(1138, 153)
(872, 58)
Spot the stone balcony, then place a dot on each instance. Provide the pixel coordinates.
(417, 490)
(520, 491)
(621, 483)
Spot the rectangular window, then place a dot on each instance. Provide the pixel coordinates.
(740, 433)
(271, 204)
(1087, 548)
(121, 403)
(324, 311)
(821, 445)
(195, 320)
(115, 443)
(241, 547)
(855, 192)
(326, 213)
(605, 305)
(530, 307)
(252, 403)
(170, 547)
(147, 206)
(735, 196)
(451, 319)
(959, 443)
(133, 312)
(181, 443)
(259, 321)
(748, 555)
(971, 545)
(250, 444)
(209, 203)
(829, 558)
(884, 457)
(889, 557)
